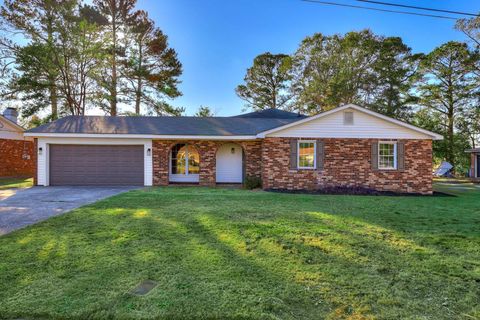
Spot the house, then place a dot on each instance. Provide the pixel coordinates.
(16, 151)
(474, 163)
(347, 147)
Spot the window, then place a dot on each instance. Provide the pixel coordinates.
(387, 155)
(306, 154)
(185, 160)
(193, 161)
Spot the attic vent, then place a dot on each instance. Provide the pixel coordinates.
(348, 118)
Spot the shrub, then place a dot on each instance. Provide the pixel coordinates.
(252, 182)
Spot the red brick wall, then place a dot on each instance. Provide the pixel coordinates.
(207, 150)
(16, 158)
(348, 165)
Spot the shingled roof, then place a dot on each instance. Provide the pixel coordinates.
(248, 124)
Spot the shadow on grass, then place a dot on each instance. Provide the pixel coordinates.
(238, 254)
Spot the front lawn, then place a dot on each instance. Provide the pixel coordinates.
(219, 254)
(9, 183)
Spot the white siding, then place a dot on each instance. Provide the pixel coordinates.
(364, 126)
(43, 161)
(11, 135)
(148, 163)
(8, 131)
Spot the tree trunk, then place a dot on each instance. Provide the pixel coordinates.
(53, 99)
(450, 156)
(51, 75)
(138, 93)
(113, 89)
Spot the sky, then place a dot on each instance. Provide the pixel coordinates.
(217, 40)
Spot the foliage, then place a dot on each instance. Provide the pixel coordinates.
(447, 85)
(431, 120)
(32, 85)
(251, 182)
(471, 28)
(80, 58)
(358, 67)
(266, 82)
(152, 68)
(75, 56)
(116, 15)
(36, 20)
(469, 125)
(395, 70)
(204, 111)
(224, 254)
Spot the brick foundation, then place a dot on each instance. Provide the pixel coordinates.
(16, 158)
(207, 150)
(348, 165)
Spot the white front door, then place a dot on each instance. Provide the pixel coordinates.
(230, 163)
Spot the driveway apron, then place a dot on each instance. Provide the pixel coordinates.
(23, 207)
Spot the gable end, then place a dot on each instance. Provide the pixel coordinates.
(364, 124)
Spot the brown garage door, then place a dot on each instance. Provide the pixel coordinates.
(96, 165)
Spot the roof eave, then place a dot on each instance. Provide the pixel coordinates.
(137, 136)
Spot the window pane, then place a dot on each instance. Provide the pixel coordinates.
(193, 161)
(179, 155)
(306, 154)
(386, 156)
(386, 149)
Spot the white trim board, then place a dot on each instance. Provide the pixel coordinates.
(136, 136)
(428, 134)
(43, 174)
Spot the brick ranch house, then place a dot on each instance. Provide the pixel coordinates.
(16, 151)
(347, 147)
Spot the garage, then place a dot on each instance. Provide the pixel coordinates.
(96, 165)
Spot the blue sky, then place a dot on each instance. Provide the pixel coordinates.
(216, 40)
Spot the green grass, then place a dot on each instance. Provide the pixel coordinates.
(237, 254)
(8, 183)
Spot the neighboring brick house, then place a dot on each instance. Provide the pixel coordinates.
(16, 151)
(347, 148)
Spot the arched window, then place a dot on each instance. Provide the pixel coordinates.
(185, 160)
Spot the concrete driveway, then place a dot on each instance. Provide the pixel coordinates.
(23, 207)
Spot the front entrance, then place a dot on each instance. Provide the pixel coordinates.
(229, 164)
(478, 165)
(184, 164)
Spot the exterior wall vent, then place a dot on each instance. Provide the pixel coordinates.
(348, 118)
